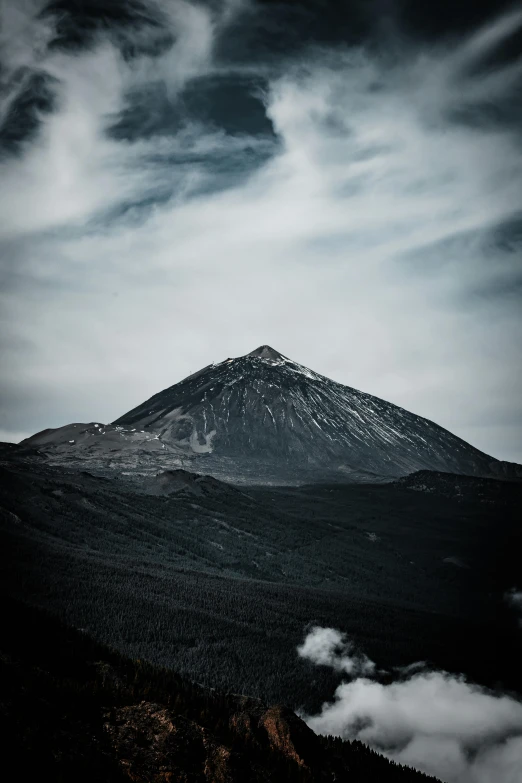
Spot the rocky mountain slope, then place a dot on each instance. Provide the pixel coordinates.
(262, 417)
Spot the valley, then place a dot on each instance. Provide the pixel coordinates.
(220, 583)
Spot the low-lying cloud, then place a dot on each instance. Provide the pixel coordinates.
(431, 720)
(329, 647)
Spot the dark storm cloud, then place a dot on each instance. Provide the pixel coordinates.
(32, 102)
(232, 103)
(273, 27)
(137, 27)
(432, 20)
(340, 180)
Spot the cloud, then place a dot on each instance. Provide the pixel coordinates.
(24, 35)
(329, 647)
(514, 599)
(484, 42)
(431, 720)
(358, 238)
(74, 171)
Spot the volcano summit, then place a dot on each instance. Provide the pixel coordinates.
(265, 417)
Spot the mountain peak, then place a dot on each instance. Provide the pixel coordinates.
(264, 415)
(266, 352)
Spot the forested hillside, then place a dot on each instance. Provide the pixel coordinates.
(222, 585)
(74, 710)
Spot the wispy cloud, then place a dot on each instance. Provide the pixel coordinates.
(434, 721)
(514, 599)
(365, 219)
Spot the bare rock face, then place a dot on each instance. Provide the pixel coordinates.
(287, 733)
(279, 728)
(155, 746)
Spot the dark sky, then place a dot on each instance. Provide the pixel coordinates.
(181, 182)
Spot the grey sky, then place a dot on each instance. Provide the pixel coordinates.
(178, 186)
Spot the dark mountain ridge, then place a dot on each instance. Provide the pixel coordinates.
(262, 417)
(73, 709)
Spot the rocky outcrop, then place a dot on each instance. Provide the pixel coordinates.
(278, 728)
(155, 746)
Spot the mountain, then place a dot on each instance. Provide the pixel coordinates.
(262, 417)
(220, 584)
